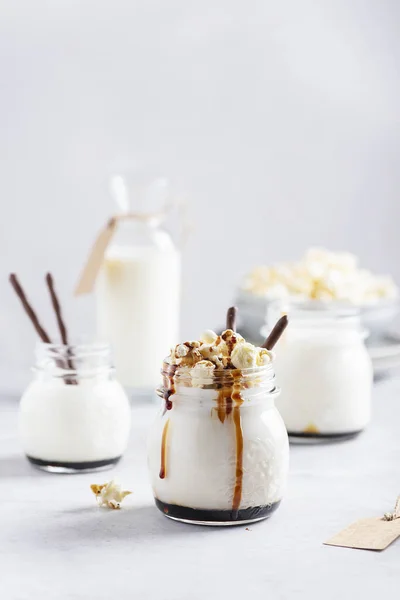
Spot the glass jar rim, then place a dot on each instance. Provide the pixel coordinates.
(86, 358)
(261, 377)
(82, 344)
(92, 346)
(317, 308)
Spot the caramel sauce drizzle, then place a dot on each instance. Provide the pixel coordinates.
(236, 397)
(237, 494)
(229, 401)
(230, 342)
(163, 468)
(169, 386)
(169, 390)
(311, 428)
(224, 403)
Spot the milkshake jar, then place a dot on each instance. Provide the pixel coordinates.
(325, 372)
(138, 294)
(218, 451)
(74, 416)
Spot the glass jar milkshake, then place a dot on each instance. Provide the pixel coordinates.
(325, 373)
(74, 416)
(218, 451)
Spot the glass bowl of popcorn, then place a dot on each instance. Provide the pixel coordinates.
(320, 277)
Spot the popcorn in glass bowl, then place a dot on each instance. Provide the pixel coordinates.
(319, 276)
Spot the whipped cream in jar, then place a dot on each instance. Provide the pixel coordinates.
(218, 451)
(325, 372)
(74, 416)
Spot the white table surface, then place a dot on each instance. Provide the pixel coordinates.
(56, 543)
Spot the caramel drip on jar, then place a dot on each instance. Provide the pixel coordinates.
(169, 386)
(237, 420)
(311, 428)
(229, 401)
(224, 402)
(163, 468)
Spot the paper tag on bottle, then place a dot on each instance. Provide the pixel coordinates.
(95, 260)
(367, 534)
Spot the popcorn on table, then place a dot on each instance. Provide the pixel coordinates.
(109, 494)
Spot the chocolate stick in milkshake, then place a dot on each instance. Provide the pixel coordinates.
(231, 318)
(276, 333)
(36, 323)
(57, 309)
(60, 322)
(28, 309)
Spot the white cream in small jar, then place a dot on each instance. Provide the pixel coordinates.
(325, 373)
(218, 451)
(74, 416)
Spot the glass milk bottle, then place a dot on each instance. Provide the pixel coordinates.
(324, 371)
(138, 295)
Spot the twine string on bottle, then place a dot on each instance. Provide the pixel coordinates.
(395, 514)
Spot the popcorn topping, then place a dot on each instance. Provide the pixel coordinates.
(227, 351)
(208, 337)
(244, 356)
(202, 373)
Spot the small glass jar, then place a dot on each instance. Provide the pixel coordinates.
(218, 451)
(325, 372)
(74, 416)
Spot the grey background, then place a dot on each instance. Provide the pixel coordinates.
(280, 121)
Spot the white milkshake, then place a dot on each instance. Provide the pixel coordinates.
(83, 423)
(76, 419)
(325, 373)
(202, 453)
(218, 452)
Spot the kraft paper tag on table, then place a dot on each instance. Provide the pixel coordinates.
(375, 533)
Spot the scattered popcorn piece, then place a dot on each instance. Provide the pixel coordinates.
(109, 494)
(229, 340)
(263, 358)
(181, 350)
(208, 337)
(202, 373)
(244, 356)
(186, 354)
(214, 354)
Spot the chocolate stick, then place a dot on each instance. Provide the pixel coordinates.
(231, 318)
(28, 309)
(276, 333)
(60, 322)
(57, 309)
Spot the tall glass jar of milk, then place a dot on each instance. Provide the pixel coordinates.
(324, 371)
(138, 288)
